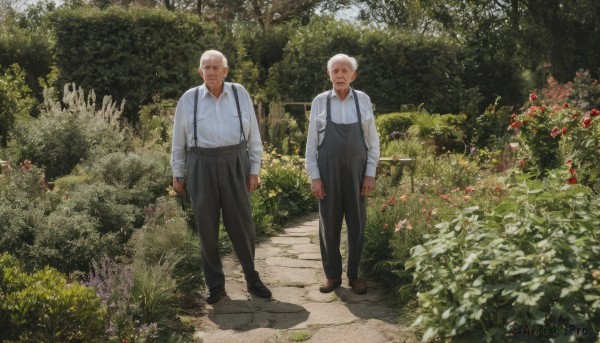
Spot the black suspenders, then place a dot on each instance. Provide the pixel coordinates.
(237, 104)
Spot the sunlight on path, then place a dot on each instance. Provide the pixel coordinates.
(290, 265)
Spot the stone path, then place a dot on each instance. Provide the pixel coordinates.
(290, 265)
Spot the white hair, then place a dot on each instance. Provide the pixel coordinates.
(212, 53)
(342, 58)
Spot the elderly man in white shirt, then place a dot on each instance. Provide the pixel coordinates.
(342, 152)
(216, 156)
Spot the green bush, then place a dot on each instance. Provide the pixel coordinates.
(66, 134)
(43, 307)
(138, 52)
(552, 136)
(166, 233)
(408, 69)
(392, 122)
(141, 178)
(283, 194)
(532, 260)
(16, 102)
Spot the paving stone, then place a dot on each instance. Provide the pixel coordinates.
(289, 240)
(292, 262)
(290, 265)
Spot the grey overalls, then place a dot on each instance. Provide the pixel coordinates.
(216, 181)
(342, 158)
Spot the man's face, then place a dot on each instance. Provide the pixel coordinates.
(213, 72)
(341, 75)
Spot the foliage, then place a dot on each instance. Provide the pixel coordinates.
(142, 177)
(284, 192)
(139, 53)
(533, 259)
(490, 129)
(555, 135)
(439, 130)
(283, 131)
(43, 307)
(156, 121)
(113, 284)
(582, 93)
(166, 233)
(67, 133)
(397, 219)
(391, 126)
(30, 48)
(409, 69)
(16, 102)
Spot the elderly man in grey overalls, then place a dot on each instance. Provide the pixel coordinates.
(216, 157)
(342, 151)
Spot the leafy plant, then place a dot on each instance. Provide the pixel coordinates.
(43, 307)
(283, 194)
(533, 259)
(69, 132)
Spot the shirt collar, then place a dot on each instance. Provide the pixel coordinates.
(206, 93)
(334, 94)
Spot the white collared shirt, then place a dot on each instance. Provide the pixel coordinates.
(218, 125)
(342, 112)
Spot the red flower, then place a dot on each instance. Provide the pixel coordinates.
(468, 190)
(587, 121)
(575, 115)
(566, 105)
(446, 197)
(555, 132)
(572, 171)
(595, 113)
(516, 124)
(572, 180)
(569, 162)
(564, 130)
(383, 208)
(533, 97)
(542, 108)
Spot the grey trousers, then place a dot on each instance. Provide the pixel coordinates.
(216, 183)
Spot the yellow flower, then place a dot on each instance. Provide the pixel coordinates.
(272, 193)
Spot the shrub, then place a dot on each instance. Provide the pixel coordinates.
(64, 136)
(141, 178)
(15, 101)
(392, 122)
(156, 121)
(532, 260)
(555, 135)
(43, 307)
(166, 233)
(283, 194)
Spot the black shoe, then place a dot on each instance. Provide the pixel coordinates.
(215, 294)
(259, 289)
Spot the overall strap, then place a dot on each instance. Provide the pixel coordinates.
(358, 114)
(237, 104)
(195, 112)
(329, 105)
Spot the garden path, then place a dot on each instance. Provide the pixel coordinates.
(290, 265)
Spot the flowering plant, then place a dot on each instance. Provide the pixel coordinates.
(554, 135)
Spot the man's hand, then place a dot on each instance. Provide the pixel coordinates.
(368, 185)
(179, 187)
(252, 182)
(317, 189)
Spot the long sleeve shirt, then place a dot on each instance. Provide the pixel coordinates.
(342, 112)
(217, 125)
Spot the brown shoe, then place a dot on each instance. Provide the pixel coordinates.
(330, 285)
(358, 286)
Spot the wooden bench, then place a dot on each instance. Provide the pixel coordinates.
(397, 166)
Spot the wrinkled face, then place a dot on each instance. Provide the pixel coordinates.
(341, 75)
(213, 72)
